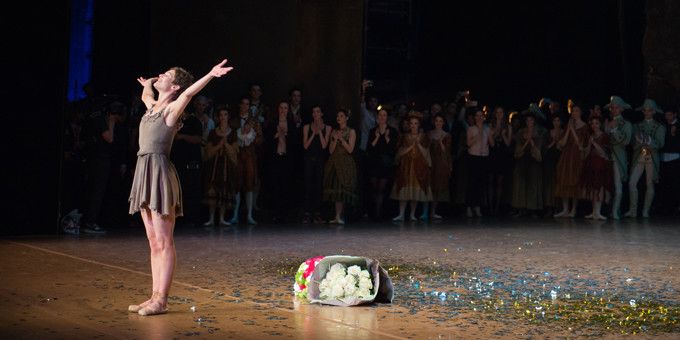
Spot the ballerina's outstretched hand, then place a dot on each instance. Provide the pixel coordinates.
(218, 70)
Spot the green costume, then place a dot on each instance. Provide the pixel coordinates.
(619, 137)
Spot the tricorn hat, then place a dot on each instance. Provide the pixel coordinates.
(650, 104)
(618, 101)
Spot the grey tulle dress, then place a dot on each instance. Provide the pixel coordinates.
(155, 185)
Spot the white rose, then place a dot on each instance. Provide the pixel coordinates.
(365, 283)
(329, 276)
(350, 290)
(324, 284)
(354, 270)
(362, 293)
(365, 273)
(325, 293)
(337, 291)
(350, 280)
(338, 268)
(336, 271)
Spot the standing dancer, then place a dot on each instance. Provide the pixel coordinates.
(570, 165)
(413, 178)
(156, 190)
(649, 137)
(620, 132)
(340, 172)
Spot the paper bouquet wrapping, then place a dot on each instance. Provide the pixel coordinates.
(343, 281)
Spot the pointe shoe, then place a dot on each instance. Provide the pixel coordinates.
(424, 217)
(590, 217)
(570, 215)
(399, 218)
(561, 214)
(225, 223)
(469, 213)
(631, 214)
(251, 220)
(234, 220)
(436, 217)
(136, 308)
(645, 215)
(413, 218)
(210, 223)
(341, 221)
(600, 217)
(478, 212)
(154, 308)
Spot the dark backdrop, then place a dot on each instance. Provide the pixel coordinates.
(514, 52)
(311, 44)
(35, 46)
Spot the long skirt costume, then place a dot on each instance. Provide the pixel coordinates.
(220, 175)
(340, 175)
(597, 172)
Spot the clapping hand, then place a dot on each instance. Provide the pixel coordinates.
(112, 119)
(281, 131)
(493, 131)
(554, 137)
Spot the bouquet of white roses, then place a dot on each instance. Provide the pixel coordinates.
(347, 281)
(342, 282)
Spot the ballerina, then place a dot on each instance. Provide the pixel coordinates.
(156, 192)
